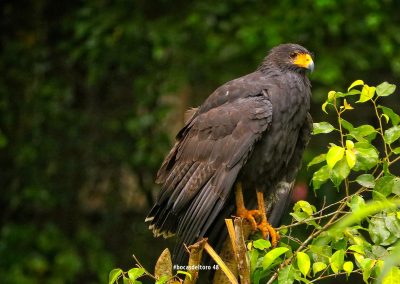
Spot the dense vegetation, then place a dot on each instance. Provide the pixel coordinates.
(92, 92)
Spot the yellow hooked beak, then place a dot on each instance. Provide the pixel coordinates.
(304, 60)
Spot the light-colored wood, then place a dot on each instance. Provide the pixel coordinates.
(230, 276)
(195, 253)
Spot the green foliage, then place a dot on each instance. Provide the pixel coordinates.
(322, 127)
(114, 275)
(353, 155)
(262, 261)
(129, 277)
(272, 255)
(261, 244)
(303, 263)
(358, 236)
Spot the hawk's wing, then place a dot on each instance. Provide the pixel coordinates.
(202, 167)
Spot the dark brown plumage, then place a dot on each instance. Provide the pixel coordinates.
(252, 129)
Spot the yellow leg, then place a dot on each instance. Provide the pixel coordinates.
(241, 209)
(264, 226)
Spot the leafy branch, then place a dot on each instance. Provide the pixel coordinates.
(358, 237)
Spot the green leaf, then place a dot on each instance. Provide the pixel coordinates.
(367, 266)
(396, 150)
(378, 231)
(323, 107)
(261, 244)
(349, 145)
(379, 251)
(394, 117)
(340, 172)
(299, 216)
(163, 279)
(337, 260)
(304, 206)
(362, 131)
(287, 275)
(353, 92)
(318, 159)
(270, 257)
(340, 244)
(367, 93)
(348, 267)
(253, 260)
(346, 125)
(359, 259)
(303, 262)
(257, 275)
(390, 261)
(356, 202)
(334, 155)
(355, 84)
(386, 117)
(321, 251)
(385, 186)
(114, 275)
(366, 156)
(358, 240)
(318, 266)
(392, 134)
(393, 224)
(135, 273)
(320, 177)
(392, 277)
(396, 186)
(322, 127)
(379, 267)
(366, 180)
(350, 158)
(357, 248)
(340, 95)
(129, 281)
(331, 96)
(385, 89)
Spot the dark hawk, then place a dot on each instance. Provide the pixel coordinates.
(250, 133)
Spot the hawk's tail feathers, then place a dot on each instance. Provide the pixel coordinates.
(162, 223)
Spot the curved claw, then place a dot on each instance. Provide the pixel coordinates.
(264, 226)
(267, 230)
(249, 215)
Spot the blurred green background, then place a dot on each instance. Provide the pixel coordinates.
(92, 93)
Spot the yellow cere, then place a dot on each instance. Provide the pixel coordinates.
(303, 60)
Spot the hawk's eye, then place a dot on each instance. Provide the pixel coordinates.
(293, 55)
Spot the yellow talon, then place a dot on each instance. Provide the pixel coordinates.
(264, 226)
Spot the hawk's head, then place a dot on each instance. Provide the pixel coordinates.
(290, 56)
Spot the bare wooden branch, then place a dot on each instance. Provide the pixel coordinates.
(240, 251)
(230, 276)
(232, 234)
(196, 251)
